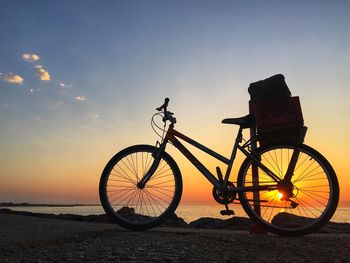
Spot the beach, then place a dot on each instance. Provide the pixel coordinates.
(34, 239)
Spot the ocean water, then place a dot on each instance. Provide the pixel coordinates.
(188, 212)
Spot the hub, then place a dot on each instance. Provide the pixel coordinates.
(286, 189)
(140, 185)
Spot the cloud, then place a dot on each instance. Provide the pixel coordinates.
(34, 90)
(13, 78)
(80, 98)
(30, 57)
(64, 85)
(42, 73)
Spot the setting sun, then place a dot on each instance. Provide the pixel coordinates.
(279, 195)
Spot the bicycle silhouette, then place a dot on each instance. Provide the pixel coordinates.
(287, 188)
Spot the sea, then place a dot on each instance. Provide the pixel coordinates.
(188, 212)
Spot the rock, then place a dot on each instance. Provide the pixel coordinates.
(90, 218)
(289, 220)
(6, 211)
(175, 221)
(126, 211)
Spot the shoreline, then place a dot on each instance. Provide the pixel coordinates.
(24, 204)
(233, 223)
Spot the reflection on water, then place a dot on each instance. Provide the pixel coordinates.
(187, 212)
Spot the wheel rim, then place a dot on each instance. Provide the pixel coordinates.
(311, 195)
(127, 201)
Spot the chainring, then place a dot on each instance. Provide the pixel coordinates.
(222, 197)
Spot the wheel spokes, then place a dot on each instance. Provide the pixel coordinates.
(132, 203)
(310, 190)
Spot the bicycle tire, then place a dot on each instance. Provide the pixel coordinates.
(134, 208)
(315, 190)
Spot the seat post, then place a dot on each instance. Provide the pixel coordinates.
(255, 175)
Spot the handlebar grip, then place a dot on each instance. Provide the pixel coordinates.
(164, 106)
(166, 102)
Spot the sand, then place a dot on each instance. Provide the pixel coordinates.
(33, 239)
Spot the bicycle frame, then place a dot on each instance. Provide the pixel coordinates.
(219, 184)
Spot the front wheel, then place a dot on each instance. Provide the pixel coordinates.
(313, 191)
(128, 204)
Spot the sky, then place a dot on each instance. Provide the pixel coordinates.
(80, 80)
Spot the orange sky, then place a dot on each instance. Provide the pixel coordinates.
(80, 81)
(61, 176)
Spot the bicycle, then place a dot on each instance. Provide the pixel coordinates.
(287, 188)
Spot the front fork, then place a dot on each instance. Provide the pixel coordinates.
(157, 155)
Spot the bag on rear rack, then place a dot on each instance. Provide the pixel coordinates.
(278, 116)
(273, 87)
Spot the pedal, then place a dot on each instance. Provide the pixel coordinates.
(227, 212)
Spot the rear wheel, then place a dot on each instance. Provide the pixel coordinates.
(134, 207)
(312, 194)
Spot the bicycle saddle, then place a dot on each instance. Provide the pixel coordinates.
(247, 121)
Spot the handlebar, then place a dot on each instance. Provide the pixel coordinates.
(167, 114)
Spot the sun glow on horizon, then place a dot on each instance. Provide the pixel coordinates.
(69, 102)
(279, 195)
